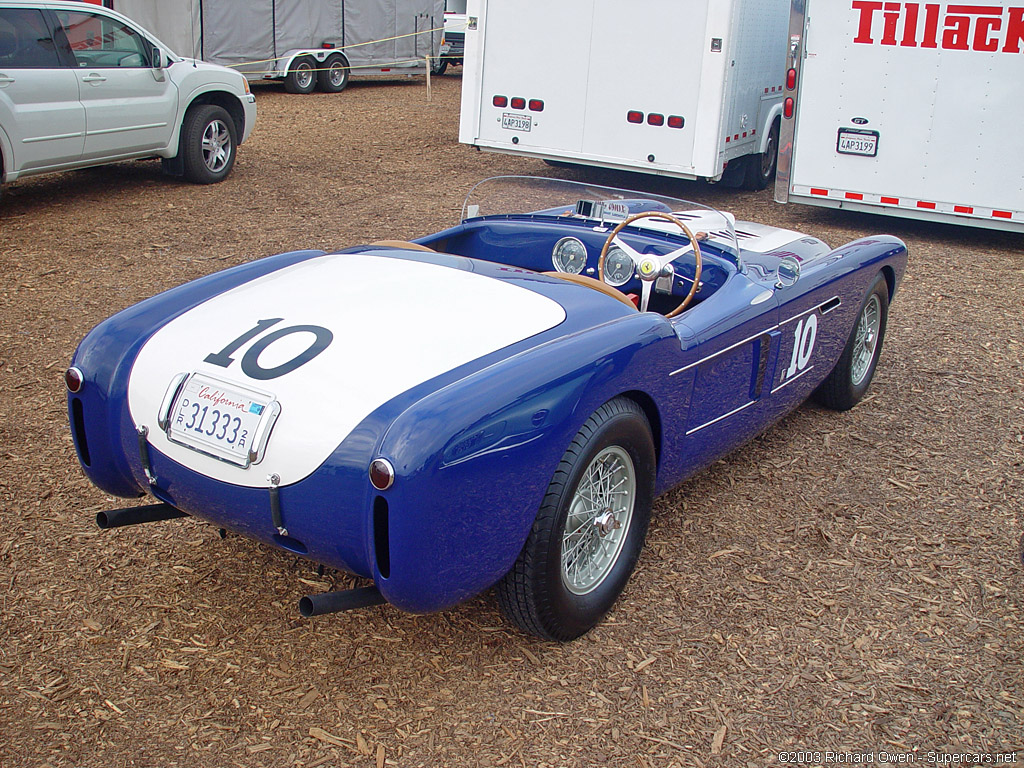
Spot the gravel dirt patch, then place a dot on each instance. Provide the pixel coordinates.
(845, 582)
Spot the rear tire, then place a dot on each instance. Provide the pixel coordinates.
(208, 144)
(439, 66)
(849, 380)
(333, 78)
(590, 529)
(301, 77)
(760, 169)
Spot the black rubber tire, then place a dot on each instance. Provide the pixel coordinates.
(333, 75)
(760, 168)
(200, 119)
(839, 391)
(532, 595)
(302, 75)
(439, 67)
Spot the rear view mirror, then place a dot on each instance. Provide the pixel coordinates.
(788, 272)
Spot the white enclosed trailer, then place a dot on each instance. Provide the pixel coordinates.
(908, 109)
(677, 88)
(305, 43)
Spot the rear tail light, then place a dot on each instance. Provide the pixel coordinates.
(675, 121)
(518, 102)
(655, 119)
(536, 105)
(787, 107)
(635, 117)
(790, 79)
(500, 101)
(73, 379)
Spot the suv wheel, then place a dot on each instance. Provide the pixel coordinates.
(208, 144)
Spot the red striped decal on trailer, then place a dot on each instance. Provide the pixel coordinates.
(928, 205)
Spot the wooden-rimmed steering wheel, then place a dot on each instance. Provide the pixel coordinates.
(650, 265)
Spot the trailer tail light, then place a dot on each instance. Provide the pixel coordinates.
(500, 101)
(675, 121)
(536, 105)
(787, 107)
(655, 119)
(790, 79)
(518, 102)
(635, 117)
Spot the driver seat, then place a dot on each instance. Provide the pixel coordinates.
(597, 285)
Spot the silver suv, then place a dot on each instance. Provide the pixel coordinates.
(81, 85)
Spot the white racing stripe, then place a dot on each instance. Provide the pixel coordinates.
(395, 324)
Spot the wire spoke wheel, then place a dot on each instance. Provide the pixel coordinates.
(590, 529)
(598, 519)
(866, 339)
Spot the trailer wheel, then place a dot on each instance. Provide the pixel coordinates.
(438, 66)
(760, 168)
(301, 77)
(334, 76)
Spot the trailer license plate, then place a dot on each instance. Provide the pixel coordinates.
(516, 122)
(221, 419)
(854, 141)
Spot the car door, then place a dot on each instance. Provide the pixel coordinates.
(130, 107)
(40, 111)
(733, 344)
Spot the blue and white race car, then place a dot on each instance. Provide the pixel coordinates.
(497, 404)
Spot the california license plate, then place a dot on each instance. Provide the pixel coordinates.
(854, 141)
(222, 419)
(514, 122)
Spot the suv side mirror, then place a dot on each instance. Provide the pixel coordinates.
(156, 57)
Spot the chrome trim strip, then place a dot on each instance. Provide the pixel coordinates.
(816, 308)
(163, 416)
(723, 416)
(787, 382)
(723, 351)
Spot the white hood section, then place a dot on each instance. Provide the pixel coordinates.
(395, 324)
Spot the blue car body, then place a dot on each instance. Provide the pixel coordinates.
(473, 446)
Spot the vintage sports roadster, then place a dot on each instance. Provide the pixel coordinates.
(496, 404)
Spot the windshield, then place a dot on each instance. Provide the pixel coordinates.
(605, 206)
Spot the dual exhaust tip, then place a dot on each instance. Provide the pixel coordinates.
(310, 605)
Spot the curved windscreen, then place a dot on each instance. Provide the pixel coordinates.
(605, 206)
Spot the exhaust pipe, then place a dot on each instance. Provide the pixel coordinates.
(346, 600)
(118, 518)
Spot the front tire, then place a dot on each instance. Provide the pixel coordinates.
(590, 529)
(208, 144)
(849, 380)
(333, 78)
(301, 77)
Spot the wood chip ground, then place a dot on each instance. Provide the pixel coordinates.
(844, 582)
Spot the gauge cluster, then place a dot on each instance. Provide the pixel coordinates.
(570, 255)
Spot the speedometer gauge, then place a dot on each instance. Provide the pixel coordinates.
(618, 267)
(569, 255)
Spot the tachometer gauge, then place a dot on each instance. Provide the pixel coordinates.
(618, 267)
(569, 255)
